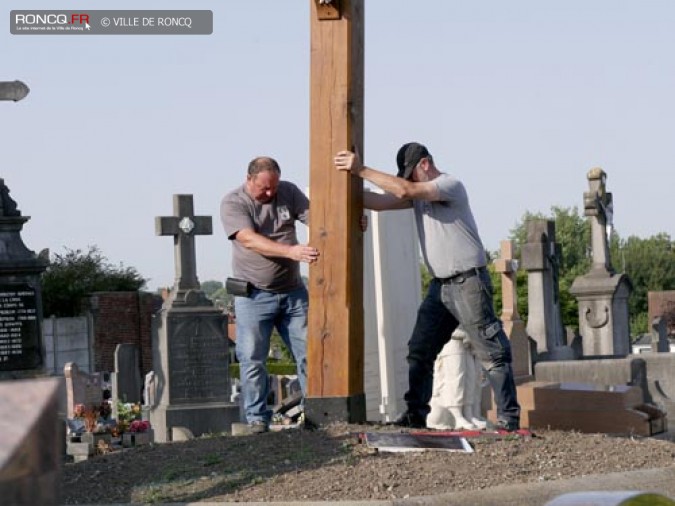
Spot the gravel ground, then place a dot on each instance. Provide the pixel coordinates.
(331, 463)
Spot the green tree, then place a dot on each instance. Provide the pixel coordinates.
(650, 266)
(209, 287)
(74, 275)
(223, 299)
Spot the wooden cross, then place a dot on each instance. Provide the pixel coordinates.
(184, 226)
(13, 90)
(335, 356)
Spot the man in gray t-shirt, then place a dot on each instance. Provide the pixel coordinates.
(460, 292)
(259, 218)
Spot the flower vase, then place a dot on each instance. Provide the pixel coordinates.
(130, 439)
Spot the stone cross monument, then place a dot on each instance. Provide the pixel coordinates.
(602, 294)
(513, 325)
(184, 226)
(598, 206)
(191, 391)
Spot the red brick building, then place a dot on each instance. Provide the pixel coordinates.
(122, 317)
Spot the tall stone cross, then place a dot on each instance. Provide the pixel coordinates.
(335, 390)
(184, 226)
(13, 90)
(598, 207)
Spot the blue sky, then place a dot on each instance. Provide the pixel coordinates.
(518, 99)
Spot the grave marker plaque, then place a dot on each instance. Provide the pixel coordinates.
(19, 334)
(197, 349)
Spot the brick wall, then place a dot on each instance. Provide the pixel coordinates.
(122, 317)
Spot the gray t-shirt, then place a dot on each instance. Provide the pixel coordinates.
(276, 221)
(447, 230)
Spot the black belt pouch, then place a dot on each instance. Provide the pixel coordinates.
(238, 287)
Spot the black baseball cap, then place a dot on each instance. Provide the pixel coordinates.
(408, 157)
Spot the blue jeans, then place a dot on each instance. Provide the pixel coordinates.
(465, 301)
(256, 317)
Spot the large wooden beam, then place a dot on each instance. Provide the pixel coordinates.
(335, 349)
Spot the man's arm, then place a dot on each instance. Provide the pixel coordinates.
(269, 248)
(400, 191)
(384, 201)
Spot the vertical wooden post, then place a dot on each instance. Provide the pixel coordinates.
(335, 389)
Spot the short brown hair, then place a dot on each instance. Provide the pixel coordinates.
(263, 164)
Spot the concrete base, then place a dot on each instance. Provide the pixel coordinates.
(324, 410)
(654, 373)
(200, 419)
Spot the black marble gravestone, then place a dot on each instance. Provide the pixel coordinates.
(21, 346)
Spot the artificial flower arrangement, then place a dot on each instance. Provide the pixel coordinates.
(139, 426)
(129, 418)
(95, 419)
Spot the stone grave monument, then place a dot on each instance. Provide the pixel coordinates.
(514, 327)
(190, 349)
(82, 388)
(21, 345)
(602, 294)
(541, 257)
(127, 385)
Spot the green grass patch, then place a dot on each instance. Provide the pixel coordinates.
(279, 368)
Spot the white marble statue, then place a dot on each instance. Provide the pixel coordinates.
(457, 391)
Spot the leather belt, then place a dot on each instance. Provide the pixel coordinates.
(461, 276)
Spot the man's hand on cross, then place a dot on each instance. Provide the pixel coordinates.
(303, 253)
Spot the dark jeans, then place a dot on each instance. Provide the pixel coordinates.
(465, 301)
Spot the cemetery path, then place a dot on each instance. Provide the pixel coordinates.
(331, 464)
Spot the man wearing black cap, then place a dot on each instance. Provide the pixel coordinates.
(460, 292)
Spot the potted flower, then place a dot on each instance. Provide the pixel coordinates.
(139, 433)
